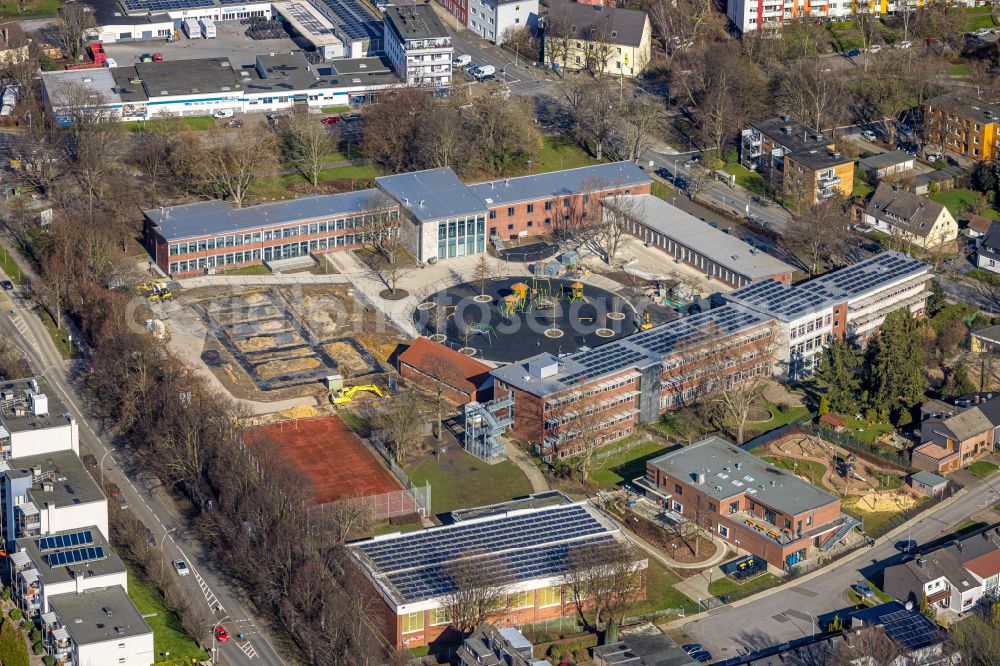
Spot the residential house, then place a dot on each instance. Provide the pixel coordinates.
(404, 570)
(909, 217)
(988, 251)
(766, 511)
(985, 340)
(963, 126)
(642, 649)
(97, 626)
(891, 163)
(928, 484)
(494, 19)
(13, 43)
(946, 444)
(489, 645)
(751, 16)
(977, 228)
(597, 38)
(434, 366)
(418, 45)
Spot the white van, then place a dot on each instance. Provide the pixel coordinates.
(461, 61)
(110, 62)
(223, 113)
(484, 72)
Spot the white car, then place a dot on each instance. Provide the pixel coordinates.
(223, 113)
(904, 45)
(869, 135)
(875, 49)
(981, 32)
(933, 157)
(181, 567)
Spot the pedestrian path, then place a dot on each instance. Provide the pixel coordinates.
(524, 462)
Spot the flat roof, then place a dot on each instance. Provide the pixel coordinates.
(721, 248)
(62, 87)
(887, 159)
(790, 134)
(865, 277)
(820, 158)
(71, 482)
(595, 178)
(172, 78)
(433, 194)
(530, 544)
(415, 22)
(730, 471)
(928, 478)
(15, 406)
(308, 22)
(48, 555)
(290, 71)
(207, 218)
(636, 351)
(533, 501)
(99, 615)
(644, 650)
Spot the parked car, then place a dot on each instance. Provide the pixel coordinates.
(864, 590)
(875, 48)
(115, 491)
(351, 117)
(702, 657)
(664, 173)
(982, 32)
(146, 57)
(150, 537)
(869, 135)
(181, 567)
(157, 57)
(331, 120)
(904, 45)
(933, 157)
(122, 502)
(462, 60)
(221, 634)
(693, 647)
(223, 113)
(854, 53)
(906, 546)
(7, 285)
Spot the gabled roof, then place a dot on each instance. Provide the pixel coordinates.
(992, 239)
(904, 210)
(985, 565)
(967, 424)
(980, 224)
(464, 373)
(599, 23)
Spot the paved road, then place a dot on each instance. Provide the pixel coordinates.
(971, 291)
(791, 612)
(146, 497)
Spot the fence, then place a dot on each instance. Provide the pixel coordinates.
(523, 257)
(869, 452)
(394, 504)
(420, 495)
(772, 435)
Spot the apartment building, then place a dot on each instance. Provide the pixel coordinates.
(418, 45)
(598, 38)
(816, 174)
(98, 626)
(34, 420)
(848, 304)
(528, 548)
(769, 512)
(562, 405)
(493, 19)
(910, 217)
(49, 493)
(963, 126)
(771, 15)
(65, 562)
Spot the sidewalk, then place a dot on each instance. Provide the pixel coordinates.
(526, 465)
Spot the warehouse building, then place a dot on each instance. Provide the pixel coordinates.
(694, 242)
(528, 550)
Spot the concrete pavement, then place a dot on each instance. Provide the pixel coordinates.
(776, 616)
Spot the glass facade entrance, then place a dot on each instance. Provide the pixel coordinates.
(458, 238)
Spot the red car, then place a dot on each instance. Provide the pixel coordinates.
(221, 634)
(331, 120)
(157, 57)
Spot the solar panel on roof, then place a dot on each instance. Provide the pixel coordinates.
(66, 540)
(84, 554)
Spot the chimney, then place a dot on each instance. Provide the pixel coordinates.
(699, 478)
(975, 399)
(787, 129)
(921, 562)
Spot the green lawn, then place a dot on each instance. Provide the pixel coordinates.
(460, 480)
(60, 336)
(336, 109)
(976, 19)
(751, 180)
(982, 468)
(254, 269)
(664, 191)
(867, 435)
(277, 187)
(844, 36)
(880, 596)
(779, 418)
(812, 470)
(959, 70)
(561, 152)
(861, 188)
(10, 268)
(199, 123)
(168, 636)
(13, 9)
(660, 591)
(723, 587)
(954, 201)
(625, 466)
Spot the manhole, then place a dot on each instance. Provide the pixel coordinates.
(553, 333)
(616, 316)
(427, 305)
(605, 332)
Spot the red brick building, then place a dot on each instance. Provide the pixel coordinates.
(766, 511)
(461, 378)
(528, 545)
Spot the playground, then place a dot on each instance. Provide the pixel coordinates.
(509, 319)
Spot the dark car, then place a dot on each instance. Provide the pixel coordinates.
(691, 648)
(906, 546)
(854, 53)
(664, 173)
(702, 657)
(351, 117)
(150, 537)
(7, 284)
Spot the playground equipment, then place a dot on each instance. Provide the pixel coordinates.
(485, 330)
(484, 426)
(154, 291)
(576, 293)
(344, 396)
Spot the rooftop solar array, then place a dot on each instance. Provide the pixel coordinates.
(164, 5)
(604, 360)
(695, 330)
(66, 557)
(912, 630)
(66, 540)
(306, 19)
(355, 20)
(791, 302)
(528, 545)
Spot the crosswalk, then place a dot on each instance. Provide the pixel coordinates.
(22, 328)
(213, 601)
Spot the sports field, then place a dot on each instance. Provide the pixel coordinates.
(336, 461)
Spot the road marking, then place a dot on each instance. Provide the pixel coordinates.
(210, 598)
(248, 649)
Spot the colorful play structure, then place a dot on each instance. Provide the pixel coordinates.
(539, 295)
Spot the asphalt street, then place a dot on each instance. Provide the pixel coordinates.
(799, 610)
(146, 497)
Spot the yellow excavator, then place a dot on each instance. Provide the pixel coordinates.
(345, 395)
(646, 323)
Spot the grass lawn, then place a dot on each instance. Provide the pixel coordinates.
(460, 480)
(199, 123)
(168, 636)
(10, 268)
(664, 191)
(60, 336)
(660, 591)
(976, 20)
(959, 70)
(256, 269)
(336, 109)
(561, 152)
(624, 466)
(954, 200)
(867, 435)
(751, 180)
(880, 596)
(779, 418)
(13, 9)
(812, 470)
(982, 468)
(844, 36)
(724, 587)
(277, 187)
(861, 188)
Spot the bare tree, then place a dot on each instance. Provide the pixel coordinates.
(556, 41)
(599, 116)
(480, 585)
(600, 47)
(884, 92)
(442, 137)
(870, 646)
(818, 232)
(443, 375)
(604, 580)
(868, 25)
(343, 519)
(681, 24)
(811, 94)
(232, 166)
(71, 28)
(384, 252)
(307, 144)
(13, 361)
(396, 423)
(611, 224)
(483, 272)
(643, 117)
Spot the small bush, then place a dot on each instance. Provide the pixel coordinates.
(783, 407)
(49, 660)
(37, 647)
(16, 614)
(36, 634)
(6, 594)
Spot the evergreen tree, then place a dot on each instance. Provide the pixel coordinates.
(937, 299)
(894, 365)
(839, 371)
(959, 382)
(13, 647)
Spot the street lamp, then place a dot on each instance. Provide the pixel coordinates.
(165, 535)
(101, 463)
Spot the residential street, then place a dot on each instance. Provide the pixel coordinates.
(146, 497)
(792, 612)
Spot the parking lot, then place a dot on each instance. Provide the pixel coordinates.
(230, 42)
